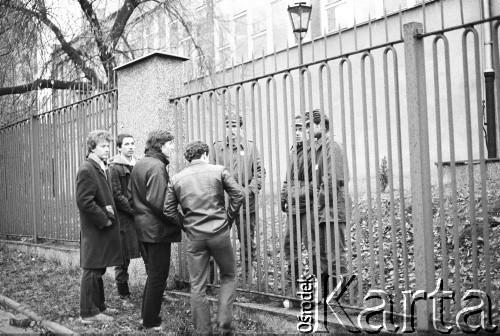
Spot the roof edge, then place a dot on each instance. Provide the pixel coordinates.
(143, 58)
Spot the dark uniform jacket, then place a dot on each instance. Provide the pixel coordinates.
(325, 168)
(242, 159)
(149, 180)
(120, 170)
(199, 189)
(100, 246)
(297, 190)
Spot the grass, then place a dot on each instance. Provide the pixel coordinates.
(53, 291)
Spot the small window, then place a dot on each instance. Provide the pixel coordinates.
(336, 14)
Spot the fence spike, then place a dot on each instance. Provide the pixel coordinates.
(385, 23)
(324, 43)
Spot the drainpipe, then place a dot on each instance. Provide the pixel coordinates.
(489, 84)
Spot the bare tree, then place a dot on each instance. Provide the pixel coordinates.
(90, 53)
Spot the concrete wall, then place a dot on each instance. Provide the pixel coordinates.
(144, 87)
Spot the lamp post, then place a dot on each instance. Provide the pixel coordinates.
(300, 15)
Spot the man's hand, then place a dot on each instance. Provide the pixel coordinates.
(284, 205)
(109, 223)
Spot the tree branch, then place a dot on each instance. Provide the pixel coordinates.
(43, 84)
(122, 17)
(74, 54)
(95, 26)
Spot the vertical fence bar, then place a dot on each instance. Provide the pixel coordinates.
(420, 167)
(33, 159)
(390, 167)
(472, 186)
(442, 214)
(367, 173)
(482, 162)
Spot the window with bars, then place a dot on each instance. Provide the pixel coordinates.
(336, 15)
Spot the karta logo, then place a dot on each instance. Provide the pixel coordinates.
(310, 304)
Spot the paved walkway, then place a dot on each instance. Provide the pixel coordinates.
(5, 328)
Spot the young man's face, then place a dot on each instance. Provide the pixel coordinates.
(102, 149)
(168, 148)
(232, 129)
(299, 130)
(127, 148)
(316, 130)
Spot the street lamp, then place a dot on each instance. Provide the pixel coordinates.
(300, 14)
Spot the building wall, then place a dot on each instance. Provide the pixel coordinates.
(375, 34)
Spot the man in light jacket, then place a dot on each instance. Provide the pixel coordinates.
(199, 189)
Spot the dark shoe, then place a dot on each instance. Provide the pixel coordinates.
(155, 329)
(123, 289)
(96, 318)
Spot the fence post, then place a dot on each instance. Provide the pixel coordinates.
(420, 169)
(34, 184)
(144, 88)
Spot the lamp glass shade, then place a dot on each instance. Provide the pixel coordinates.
(300, 14)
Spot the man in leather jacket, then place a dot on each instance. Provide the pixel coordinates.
(199, 189)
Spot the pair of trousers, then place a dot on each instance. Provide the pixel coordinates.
(321, 245)
(199, 253)
(121, 279)
(245, 240)
(159, 264)
(92, 292)
(296, 244)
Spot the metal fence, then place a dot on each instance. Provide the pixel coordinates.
(408, 95)
(39, 159)
(425, 225)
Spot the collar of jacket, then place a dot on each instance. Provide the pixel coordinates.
(94, 158)
(236, 141)
(157, 155)
(97, 165)
(325, 138)
(119, 159)
(196, 162)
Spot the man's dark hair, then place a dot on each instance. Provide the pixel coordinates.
(120, 137)
(94, 137)
(317, 116)
(195, 149)
(156, 139)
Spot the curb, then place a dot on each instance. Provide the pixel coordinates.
(290, 315)
(49, 325)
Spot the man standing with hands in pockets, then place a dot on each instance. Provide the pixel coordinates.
(100, 245)
(199, 189)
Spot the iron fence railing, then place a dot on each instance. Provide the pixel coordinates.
(39, 159)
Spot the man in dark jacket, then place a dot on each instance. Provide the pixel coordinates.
(149, 180)
(120, 168)
(296, 194)
(242, 158)
(199, 189)
(332, 178)
(100, 245)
